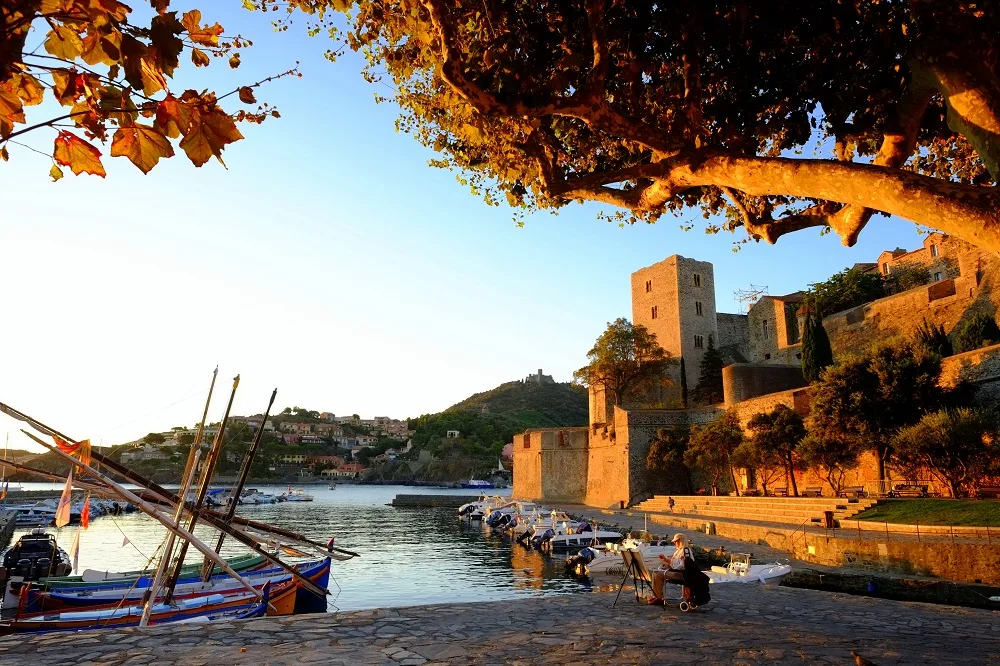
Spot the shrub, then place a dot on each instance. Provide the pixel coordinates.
(980, 330)
(933, 338)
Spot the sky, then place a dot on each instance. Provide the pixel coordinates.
(328, 260)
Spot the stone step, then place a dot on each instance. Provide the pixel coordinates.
(761, 516)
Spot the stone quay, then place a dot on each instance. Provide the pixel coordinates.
(743, 624)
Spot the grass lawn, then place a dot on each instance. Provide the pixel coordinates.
(934, 512)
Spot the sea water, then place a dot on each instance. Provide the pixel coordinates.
(408, 556)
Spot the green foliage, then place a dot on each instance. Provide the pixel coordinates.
(935, 512)
(816, 351)
(712, 445)
(829, 458)
(626, 361)
(154, 438)
(980, 330)
(932, 337)
(777, 434)
(847, 289)
(665, 458)
(866, 400)
(709, 388)
(959, 446)
(529, 404)
(907, 275)
(186, 439)
(766, 465)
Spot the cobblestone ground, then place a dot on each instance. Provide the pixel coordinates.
(744, 624)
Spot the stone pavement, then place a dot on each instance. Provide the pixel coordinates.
(744, 624)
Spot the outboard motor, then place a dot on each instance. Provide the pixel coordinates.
(542, 539)
(494, 519)
(524, 538)
(577, 564)
(465, 509)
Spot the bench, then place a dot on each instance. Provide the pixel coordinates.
(908, 490)
(852, 491)
(780, 492)
(988, 492)
(751, 492)
(813, 491)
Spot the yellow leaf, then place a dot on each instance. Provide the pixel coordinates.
(11, 108)
(173, 117)
(64, 42)
(29, 89)
(209, 132)
(204, 35)
(143, 145)
(56, 173)
(78, 155)
(246, 95)
(199, 58)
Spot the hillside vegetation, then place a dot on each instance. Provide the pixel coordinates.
(531, 405)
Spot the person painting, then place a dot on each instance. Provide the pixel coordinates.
(672, 569)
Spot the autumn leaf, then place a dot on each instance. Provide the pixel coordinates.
(4, 155)
(234, 60)
(55, 172)
(29, 89)
(143, 145)
(78, 155)
(160, 5)
(199, 58)
(209, 133)
(246, 95)
(11, 108)
(173, 117)
(64, 42)
(207, 35)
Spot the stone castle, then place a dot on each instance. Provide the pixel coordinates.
(604, 463)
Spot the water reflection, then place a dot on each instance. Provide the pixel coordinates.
(408, 556)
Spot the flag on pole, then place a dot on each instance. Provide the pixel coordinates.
(125, 542)
(3, 493)
(79, 449)
(85, 513)
(63, 510)
(74, 551)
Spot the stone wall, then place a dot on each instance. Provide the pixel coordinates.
(551, 465)
(607, 463)
(744, 381)
(734, 330)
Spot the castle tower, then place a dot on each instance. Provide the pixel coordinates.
(675, 300)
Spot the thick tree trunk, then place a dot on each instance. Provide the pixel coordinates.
(736, 487)
(790, 470)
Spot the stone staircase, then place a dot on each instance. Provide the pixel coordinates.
(792, 511)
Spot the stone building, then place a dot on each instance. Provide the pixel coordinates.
(605, 463)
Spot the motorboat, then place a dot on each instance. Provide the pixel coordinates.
(297, 495)
(34, 556)
(35, 515)
(571, 535)
(256, 497)
(739, 570)
(476, 510)
(607, 558)
(478, 484)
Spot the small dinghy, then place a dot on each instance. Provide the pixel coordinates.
(739, 570)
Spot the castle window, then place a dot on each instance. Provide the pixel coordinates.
(885, 268)
(697, 280)
(649, 286)
(653, 312)
(934, 250)
(763, 326)
(697, 308)
(699, 342)
(937, 276)
(767, 357)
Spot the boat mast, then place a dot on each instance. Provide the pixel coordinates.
(238, 489)
(206, 477)
(189, 469)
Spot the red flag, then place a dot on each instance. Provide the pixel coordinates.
(85, 513)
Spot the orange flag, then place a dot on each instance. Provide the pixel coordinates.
(85, 513)
(63, 510)
(79, 449)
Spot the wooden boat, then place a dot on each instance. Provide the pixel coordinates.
(240, 605)
(89, 596)
(239, 564)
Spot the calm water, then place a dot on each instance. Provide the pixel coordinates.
(408, 556)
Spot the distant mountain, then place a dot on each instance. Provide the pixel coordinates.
(531, 405)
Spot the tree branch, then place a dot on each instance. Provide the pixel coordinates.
(692, 85)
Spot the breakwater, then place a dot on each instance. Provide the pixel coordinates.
(448, 501)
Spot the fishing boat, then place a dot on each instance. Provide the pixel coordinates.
(478, 484)
(242, 605)
(98, 595)
(239, 564)
(297, 495)
(35, 555)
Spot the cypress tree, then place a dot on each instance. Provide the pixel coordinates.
(684, 385)
(816, 351)
(709, 388)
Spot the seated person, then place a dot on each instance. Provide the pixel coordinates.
(673, 571)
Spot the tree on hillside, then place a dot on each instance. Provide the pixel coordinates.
(932, 337)
(626, 360)
(847, 289)
(816, 351)
(779, 433)
(665, 456)
(154, 438)
(709, 389)
(866, 400)
(758, 110)
(111, 73)
(980, 330)
(711, 447)
(830, 458)
(958, 446)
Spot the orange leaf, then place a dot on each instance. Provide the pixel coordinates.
(143, 145)
(209, 133)
(199, 58)
(11, 108)
(64, 42)
(246, 95)
(207, 35)
(55, 173)
(234, 60)
(78, 155)
(173, 117)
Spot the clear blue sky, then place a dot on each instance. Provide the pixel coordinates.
(329, 261)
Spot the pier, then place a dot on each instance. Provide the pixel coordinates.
(450, 501)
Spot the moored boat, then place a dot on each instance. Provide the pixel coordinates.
(35, 555)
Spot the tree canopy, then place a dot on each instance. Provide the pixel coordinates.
(712, 446)
(709, 389)
(778, 114)
(625, 360)
(816, 351)
(112, 74)
(778, 433)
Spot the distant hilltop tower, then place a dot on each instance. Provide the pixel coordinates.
(539, 378)
(675, 300)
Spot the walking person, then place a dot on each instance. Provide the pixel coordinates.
(670, 504)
